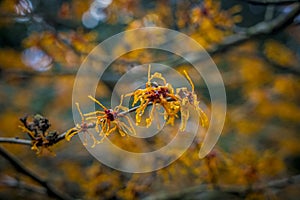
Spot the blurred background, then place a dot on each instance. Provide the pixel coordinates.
(255, 45)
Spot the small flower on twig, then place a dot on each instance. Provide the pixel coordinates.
(83, 127)
(189, 98)
(109, 120)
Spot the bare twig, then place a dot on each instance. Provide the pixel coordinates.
(15, 140)
(53, 192)
(282, 182)
(279, 2)
(262, 28)
(9, 181)
(195, 192)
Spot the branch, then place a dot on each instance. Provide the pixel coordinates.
(53, 192)
(225, 190)
(15, 183)
(282, 182)
(268, 2)
(16, 140)
(262, 28)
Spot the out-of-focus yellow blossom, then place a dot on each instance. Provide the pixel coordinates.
(286, 86)
(138, 184)
(82, 42)
(74, 9)
(11, 59)
(280, 54)
(211, 24)
(254, 73)
(101, 183)
(145, 38)
(247, 126)
(252, 166)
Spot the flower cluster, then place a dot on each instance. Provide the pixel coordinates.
(37, 130)
(208, 17)
(155, 94)
(174, 104)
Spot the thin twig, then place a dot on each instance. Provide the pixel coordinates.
(268, 2)
(15, 140)
(194, 192)
(283, 182)
(260, 29)
(11, 182)
(53, 192)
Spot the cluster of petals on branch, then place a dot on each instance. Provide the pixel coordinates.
(175, 103)
(37, 130)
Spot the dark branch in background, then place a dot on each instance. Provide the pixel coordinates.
(242, 35)
(268, 2)
(52, 192)
(260, 29)
(225, 191)
(8, 181)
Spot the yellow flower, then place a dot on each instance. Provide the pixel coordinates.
(110, 120)
(189, 98)
(155, 94)
(83, 127)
